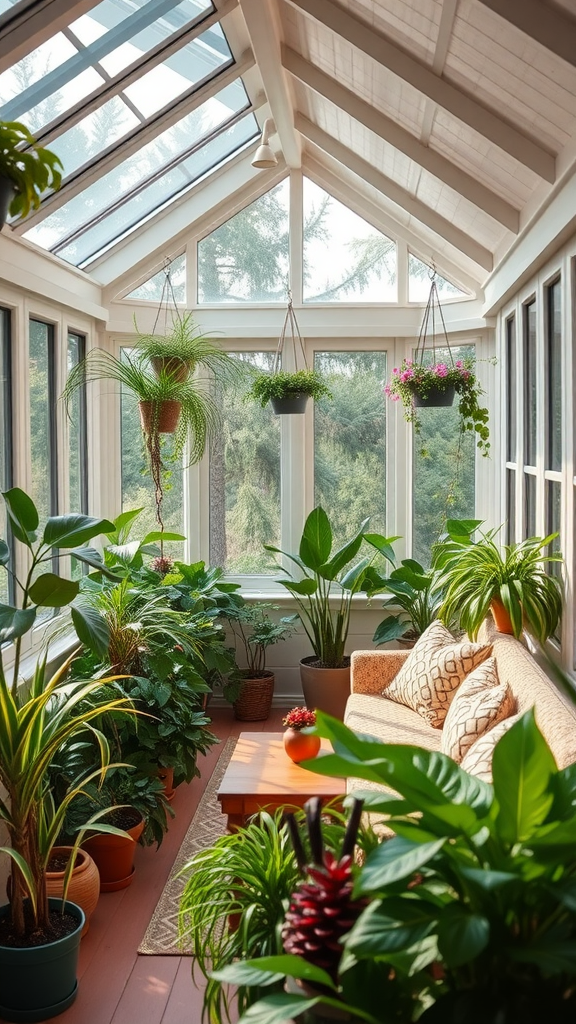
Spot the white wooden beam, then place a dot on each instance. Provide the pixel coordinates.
(445, 28)
(21, 32)
(264, 35)
(415, 207)
(462, 106)
(400, 139)
(552, 27)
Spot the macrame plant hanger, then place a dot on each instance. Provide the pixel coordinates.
(289, 330)
(427, 333)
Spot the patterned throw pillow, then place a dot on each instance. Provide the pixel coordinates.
(478, 760)
(434, 670)
(480, 703)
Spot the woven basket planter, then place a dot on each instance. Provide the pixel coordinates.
(255, 699)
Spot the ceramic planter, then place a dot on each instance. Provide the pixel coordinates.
(289, 406)
(114, 857)
(300, 746)
(39, 982)
(160, 416)
(255, 698)
(84, 887)
(502, 619)
(176, 367)
(436, 397)
(325, 689)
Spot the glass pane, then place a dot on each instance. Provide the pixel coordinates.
(42, 409)
(443, 473)
(5, 437)
(529, 505)
(77, 443)
(554, 382)
(345, 258)
(94, 133)
(129, 181)
(510, 506)
(530, 385)
(137, 486)
(350, 442)
(245, 481)
(246, 259)
(553, 521)
(420, 278)
(511, 390)
(152, 289)
(99, 45)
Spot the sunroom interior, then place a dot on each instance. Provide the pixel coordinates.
(413, 140)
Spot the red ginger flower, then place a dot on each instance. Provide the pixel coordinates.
(299, 718)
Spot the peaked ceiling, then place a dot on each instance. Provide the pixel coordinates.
(452, 121)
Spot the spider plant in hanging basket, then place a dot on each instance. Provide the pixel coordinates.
(283, 387)
(418, 384)
(183, 347)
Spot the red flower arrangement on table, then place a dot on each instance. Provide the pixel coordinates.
(300, 746)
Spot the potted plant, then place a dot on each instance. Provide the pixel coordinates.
(479, 576)
(182, 348)
(415, 589)
(254, 632)
(26, 171)
(418, 384)
(288, 392)
(323, 587)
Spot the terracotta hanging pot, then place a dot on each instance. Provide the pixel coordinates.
(439, 398)
(176, 367)
(114, 855)
(300, 746)
(160, 416)
(501, 617)
(84, 887)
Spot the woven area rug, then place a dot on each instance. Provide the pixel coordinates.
(207, 825)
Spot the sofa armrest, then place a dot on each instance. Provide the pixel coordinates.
(372, 671)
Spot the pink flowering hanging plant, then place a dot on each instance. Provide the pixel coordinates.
(412, 378)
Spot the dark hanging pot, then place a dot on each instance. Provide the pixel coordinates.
(440, 398)
(7, 193)
(162, 416)
(291, 405)
(39, 982)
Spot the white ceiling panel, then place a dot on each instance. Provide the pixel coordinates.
(511, 73)
(412, 24)
(459, 211)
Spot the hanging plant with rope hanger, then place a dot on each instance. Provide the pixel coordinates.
(288, 392)
(433, 378)
(175, 374)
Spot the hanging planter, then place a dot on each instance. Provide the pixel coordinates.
(162, 417)
(288, 393)
(433, 378)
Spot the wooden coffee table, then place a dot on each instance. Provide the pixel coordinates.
(262, 776)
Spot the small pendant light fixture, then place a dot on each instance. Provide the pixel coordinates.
(265, 156)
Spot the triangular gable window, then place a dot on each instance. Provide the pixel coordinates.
(151, 290)
(345, 258)
(420, 277)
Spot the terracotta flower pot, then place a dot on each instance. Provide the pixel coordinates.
(166, 775)
(114, 856)
(84, 887)
(161, 416)
(502, 619)
(176, 367)
(300, 746)
(326, 689)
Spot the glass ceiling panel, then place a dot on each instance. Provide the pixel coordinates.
(143, 184)
(101, 44)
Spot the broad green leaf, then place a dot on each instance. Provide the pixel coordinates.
(522, 766)
(280, 966)
(301, 587)
(156, 536)
(4, 553)
(392, 925)
(383, 545)
(93, 558)
(277, 1007)
(91, 627)
(394, 860)
(124, 552)
(316, 542)
(73, 530)
(390, 629)
(15, 622)
(461, 935)
(343, 555)
(23, 515)
(488, 880)
(51, 591)
(460, 530)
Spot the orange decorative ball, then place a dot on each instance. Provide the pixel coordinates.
(300, 746)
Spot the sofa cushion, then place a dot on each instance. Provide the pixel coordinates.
(389, 722)
(433, 671)
(478, 760)
(480, 702)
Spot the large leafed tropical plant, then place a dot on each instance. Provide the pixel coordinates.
(474, 574)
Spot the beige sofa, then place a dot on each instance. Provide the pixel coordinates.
(368, 711)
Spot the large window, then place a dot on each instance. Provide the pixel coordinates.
(5, 434)
(554, 402)
(350, 442)
(245, 480)
(77, 432)
(43, 396)
(511, 429)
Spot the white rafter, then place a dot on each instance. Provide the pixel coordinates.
(462, 106)
(553, 28)
(445, 27)
(390, 131)
(415, 207)
(263, 30)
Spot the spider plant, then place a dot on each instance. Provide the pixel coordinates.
(474, 574)
(184, 344)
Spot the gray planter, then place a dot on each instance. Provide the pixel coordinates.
(295, 403)
(325, 689)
